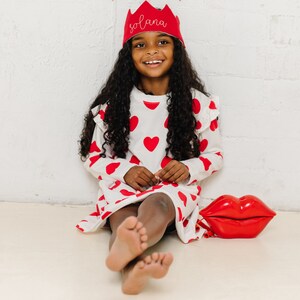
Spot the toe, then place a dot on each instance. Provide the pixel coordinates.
(168, 259)
(130, 222)
(148, 260)
(142, 231)
(155, 256)
(140, 264)
(144, 238)
(139, 225)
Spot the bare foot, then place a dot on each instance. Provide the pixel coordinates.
(129, 243)
(152, 266)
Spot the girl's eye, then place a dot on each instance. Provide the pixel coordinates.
(163, 42)
(139, 45)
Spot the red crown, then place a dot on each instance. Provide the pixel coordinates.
(149, 18)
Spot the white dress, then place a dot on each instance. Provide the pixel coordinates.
(147, 144)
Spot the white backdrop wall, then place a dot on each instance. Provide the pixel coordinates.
(55, 56)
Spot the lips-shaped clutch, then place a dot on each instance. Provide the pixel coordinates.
(232, 217)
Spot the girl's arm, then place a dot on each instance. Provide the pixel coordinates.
(210, 160)
(101, 167)
(196, 169)
(211, 156)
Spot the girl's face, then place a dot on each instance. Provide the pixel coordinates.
(152, 53)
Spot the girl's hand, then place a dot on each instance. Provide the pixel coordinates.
(140, 178)
(174, 171)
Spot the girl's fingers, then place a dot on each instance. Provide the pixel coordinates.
(170, 171)
(139, 177)
(145, 179)
(175, 176)
(142, 181)
(175, 171)
(148, 177)
(182, 178)
(136, 186)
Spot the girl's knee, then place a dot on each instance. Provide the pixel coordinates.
(162, 202)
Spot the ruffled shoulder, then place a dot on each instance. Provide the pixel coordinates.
(99, 113)
(206, 109)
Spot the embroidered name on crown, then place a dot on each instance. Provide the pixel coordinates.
(142, 23)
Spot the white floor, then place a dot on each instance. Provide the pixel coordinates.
(42, 256)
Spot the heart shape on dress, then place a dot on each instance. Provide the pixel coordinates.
(151, 105)
(111, 168)
(133, 122)
(151, 143)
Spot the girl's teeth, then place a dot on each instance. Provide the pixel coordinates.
(153, 62)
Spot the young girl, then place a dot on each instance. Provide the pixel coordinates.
(150, 137)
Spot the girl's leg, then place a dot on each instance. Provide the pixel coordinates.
(128, 239)
(135, 277)
(118, 217)
(156, 212)
(132, 235)
(132, 226)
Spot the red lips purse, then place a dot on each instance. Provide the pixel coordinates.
(231, 217)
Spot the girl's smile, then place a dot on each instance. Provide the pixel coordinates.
(154, 63)
(152, 54)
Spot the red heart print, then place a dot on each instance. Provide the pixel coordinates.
(206, 162)
(151, 105)
(194, 181)
(101, 198)
(203, 145)
(212, 105)
(111, 168)
(185, 222)
(105, 215)
(196, 106)
(134, 120)
(96, 213)
(220, 154)
(193, 239)
(179, 214)
(126, 193)
(156, 187)
(118, 201)
(94, 147)
(194, 197)
(134, 160)
(182, 197)
(93, 159)
(78, 227)
(143, 193)
(213, 125)
(102, 114)
(165, 161)
(166, 123)
(151, 143)
(199, 189)
(198, 125)
(165, 183)
(116, 184)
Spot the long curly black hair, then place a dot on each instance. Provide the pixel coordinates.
(182, 140)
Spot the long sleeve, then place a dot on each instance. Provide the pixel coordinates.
(101, 167)
(211, 157)
(211, 153)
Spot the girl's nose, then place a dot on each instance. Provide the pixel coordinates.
(152, 51)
